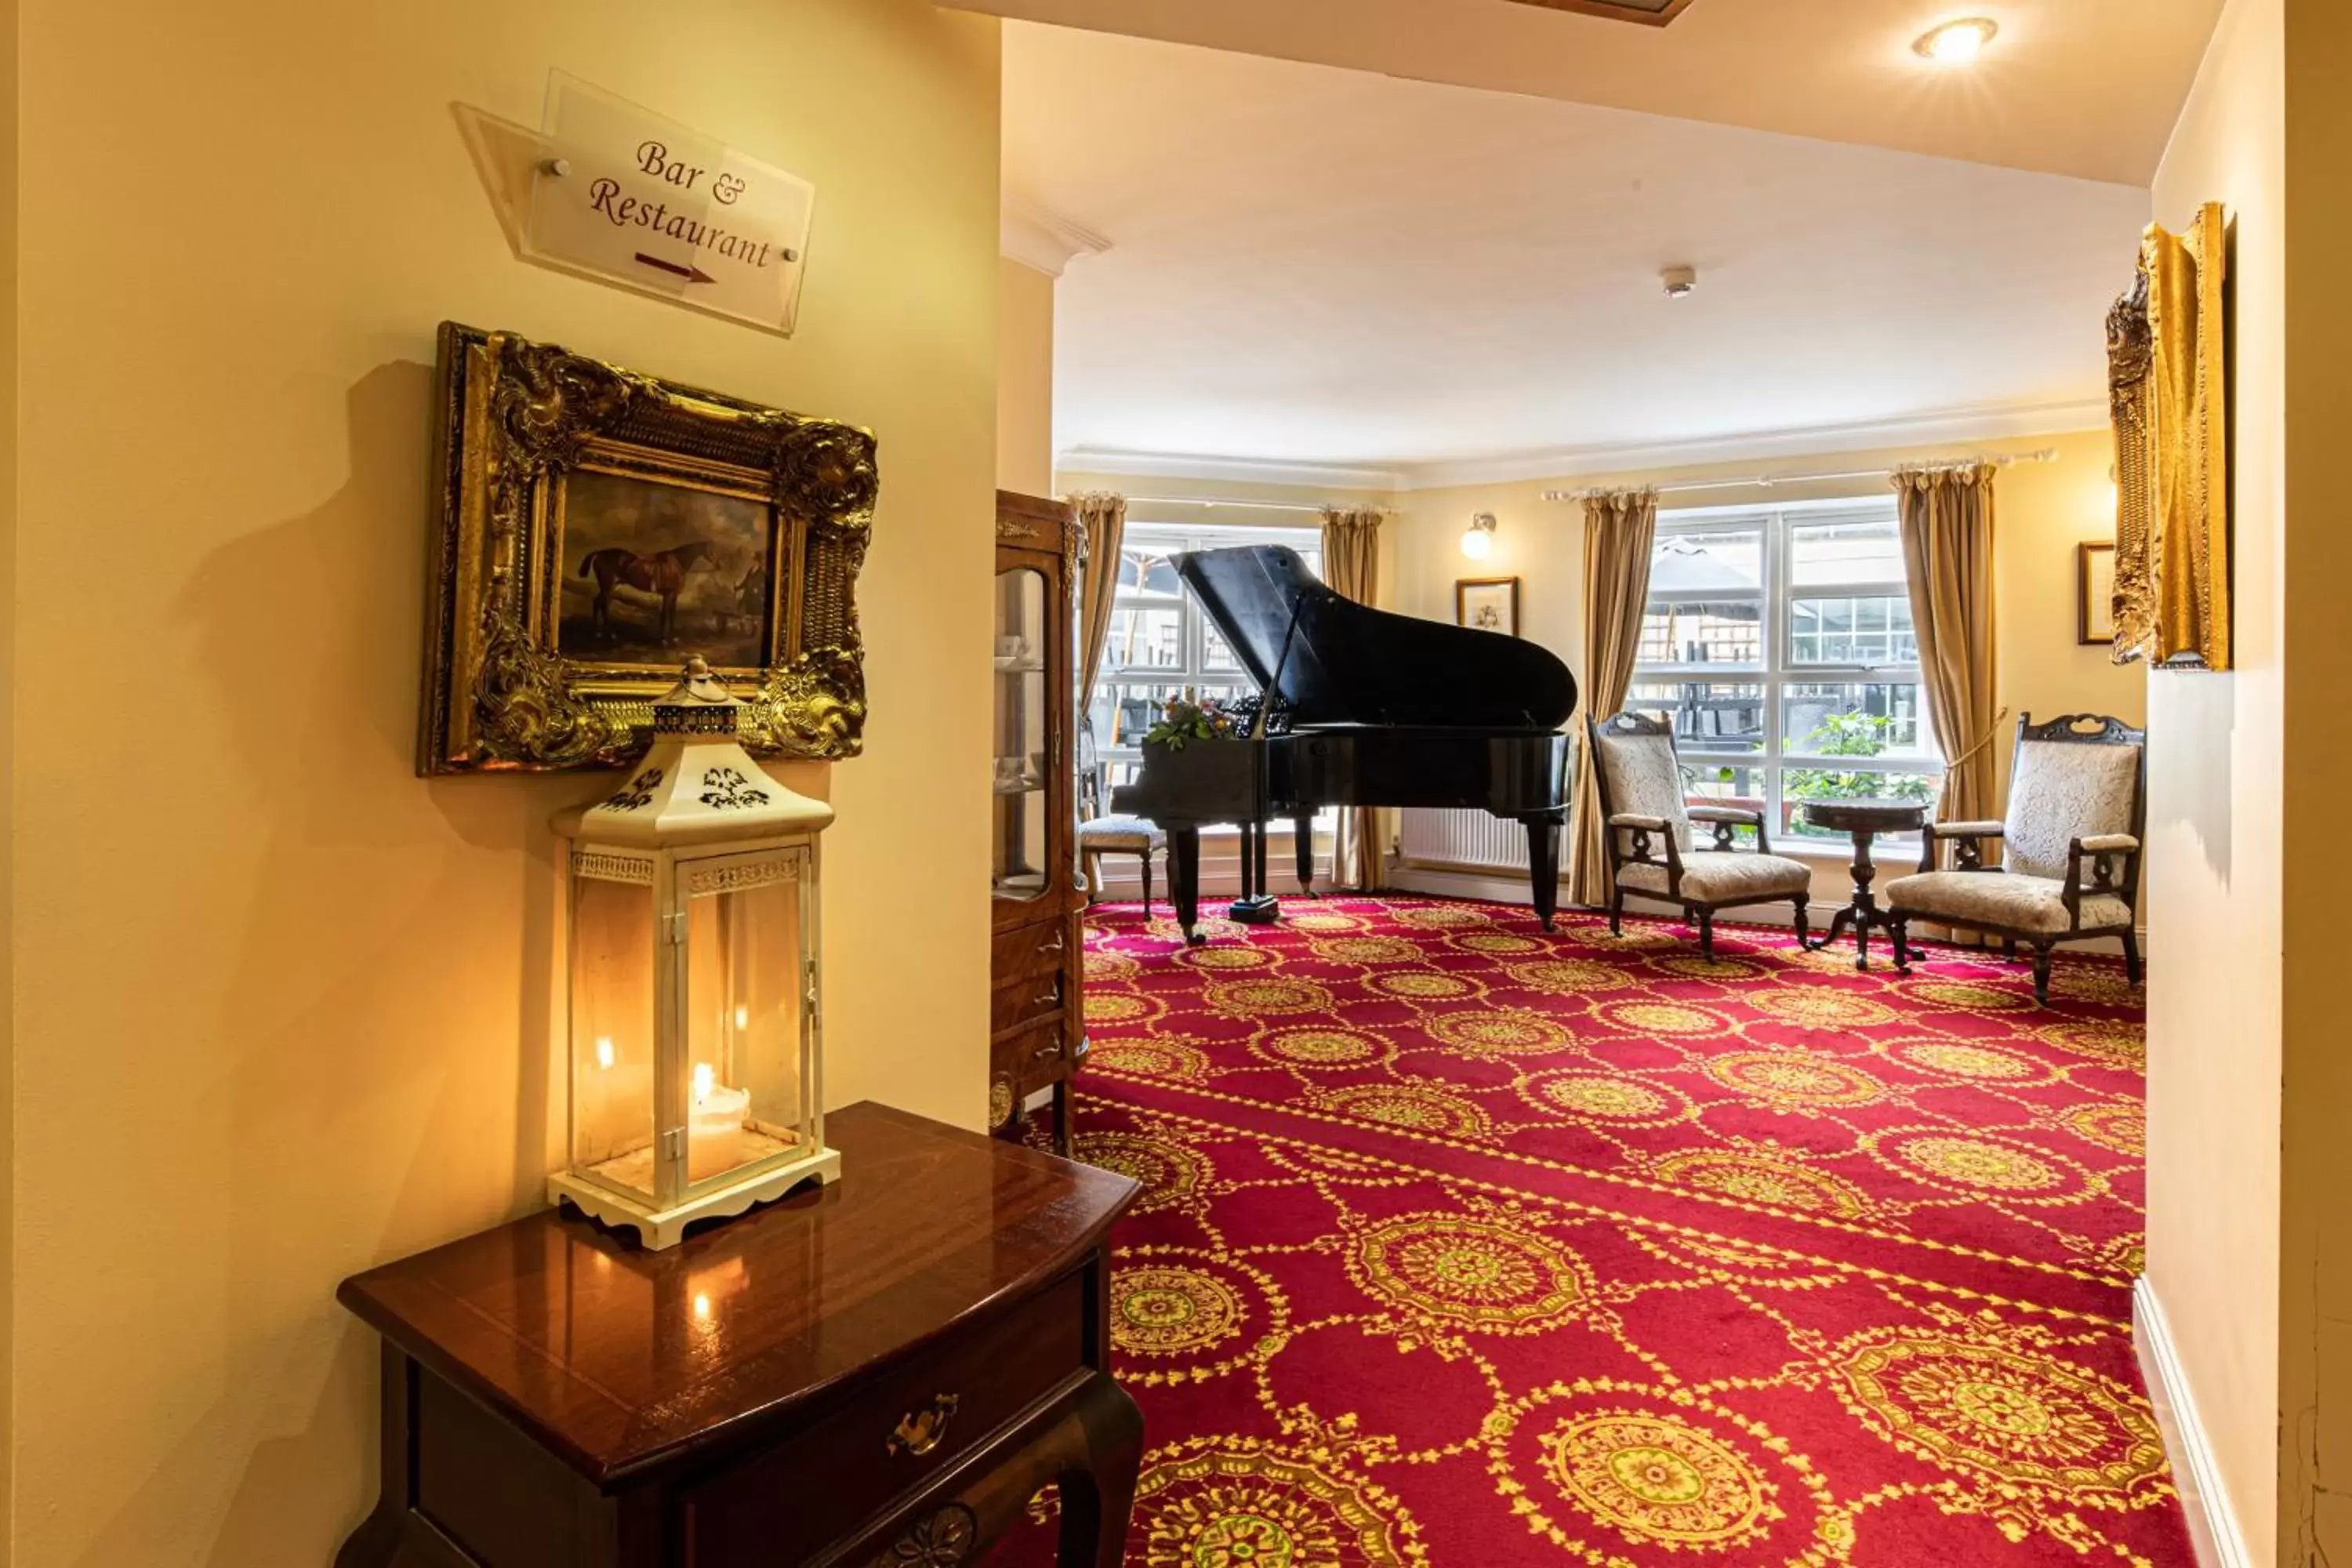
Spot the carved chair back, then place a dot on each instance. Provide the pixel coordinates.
(1634, 765)
(2074, 777)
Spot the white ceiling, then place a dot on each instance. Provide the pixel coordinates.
(1327, 266)
(2089, 87)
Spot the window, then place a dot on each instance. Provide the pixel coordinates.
(1779, 643)
(1160, 644)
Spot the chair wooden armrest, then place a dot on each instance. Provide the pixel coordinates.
(1968, 835)
(1724, 818)
(1645, 829)
(2115, 870)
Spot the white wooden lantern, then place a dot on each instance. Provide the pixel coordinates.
(695, 1045)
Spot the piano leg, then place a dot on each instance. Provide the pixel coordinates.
(1185, 880)
(1302, 841)
(1255, 907)
(1543, 865)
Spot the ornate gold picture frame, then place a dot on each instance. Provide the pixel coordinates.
(2167, 385)
(597, 526)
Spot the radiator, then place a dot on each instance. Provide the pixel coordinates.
(1464, 840)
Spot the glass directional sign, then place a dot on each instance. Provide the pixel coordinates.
(638, 199)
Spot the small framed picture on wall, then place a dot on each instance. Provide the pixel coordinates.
(2094, 578)
(1488, 604)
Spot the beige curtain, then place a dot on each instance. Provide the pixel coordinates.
(1351, 565)
(1618, 529)
(1104, 518)
(1947, 529)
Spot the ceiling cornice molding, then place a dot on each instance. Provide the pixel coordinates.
(1030, 235)
(1226, 470)
(1815, 441)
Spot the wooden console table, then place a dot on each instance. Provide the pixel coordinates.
(876, 1376)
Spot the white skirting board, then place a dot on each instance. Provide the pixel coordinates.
(2212, 1527)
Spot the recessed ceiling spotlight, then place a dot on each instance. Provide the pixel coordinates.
(1681, 282)
(1957, 43)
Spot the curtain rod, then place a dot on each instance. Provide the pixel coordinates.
(1766, 481)
(1244, 505)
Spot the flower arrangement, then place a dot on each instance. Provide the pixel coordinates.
(1183, 721)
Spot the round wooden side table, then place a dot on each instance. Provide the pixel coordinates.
(1865, 819)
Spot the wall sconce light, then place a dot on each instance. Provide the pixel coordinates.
(1478, 539)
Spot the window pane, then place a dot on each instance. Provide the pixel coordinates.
(1833, 554)
(1707, 716)
(1853, 719)
(1145, 638)
(1874, 631)
(1801, 785)
(1214, 654)
(1727, 562)
(1147, 568)
(1122, 713)
(1714, 631)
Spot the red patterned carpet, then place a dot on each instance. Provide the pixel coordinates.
(1464, 1244)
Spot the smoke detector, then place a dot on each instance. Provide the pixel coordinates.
(1681, 282)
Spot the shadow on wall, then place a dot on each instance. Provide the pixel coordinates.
(2200, 787)
(373, 1042)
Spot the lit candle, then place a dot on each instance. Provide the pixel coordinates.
(605, 1050)
(718, 1109)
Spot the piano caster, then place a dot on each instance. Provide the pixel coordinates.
(1263, 909)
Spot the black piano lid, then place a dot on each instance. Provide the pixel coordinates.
(1349, 664)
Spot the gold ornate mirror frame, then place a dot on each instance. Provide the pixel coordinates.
(2167, 385)
(518, 425)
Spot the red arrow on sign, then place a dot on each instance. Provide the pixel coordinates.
(691, 274)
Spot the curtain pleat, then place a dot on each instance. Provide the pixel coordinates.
(1619, 528)
(1352, 566)
(1948, 535)
(1104, 518)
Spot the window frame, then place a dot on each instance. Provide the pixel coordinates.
(1193, 629)
(1777, 670)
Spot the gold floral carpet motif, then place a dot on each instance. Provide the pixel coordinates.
(1462, 1243)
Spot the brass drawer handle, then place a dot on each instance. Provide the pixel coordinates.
(919, 1432)
(1054, 945)
(1046, 1053)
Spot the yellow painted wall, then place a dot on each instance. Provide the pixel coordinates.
(2216, 854)
(1024, 378)
(282, 1010)
(2045, 510)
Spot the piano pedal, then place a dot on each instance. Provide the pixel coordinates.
(1262, 910)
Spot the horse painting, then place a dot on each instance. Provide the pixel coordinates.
(663, 574)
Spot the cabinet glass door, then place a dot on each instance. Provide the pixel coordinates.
(1024, 746)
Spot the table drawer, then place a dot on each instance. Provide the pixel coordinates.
(1032, 950)
(1032, 999)
(807, 1490)
(1033, 1058)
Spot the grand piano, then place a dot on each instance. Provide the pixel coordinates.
(1356, 707)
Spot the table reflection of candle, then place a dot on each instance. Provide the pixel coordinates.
(718, 1110)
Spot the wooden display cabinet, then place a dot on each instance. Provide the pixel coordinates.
(1036, 1036)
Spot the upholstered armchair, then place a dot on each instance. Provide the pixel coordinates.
(1652, 848)
(2077, 811)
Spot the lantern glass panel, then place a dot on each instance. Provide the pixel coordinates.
(613, 1033)
(746, 1016)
